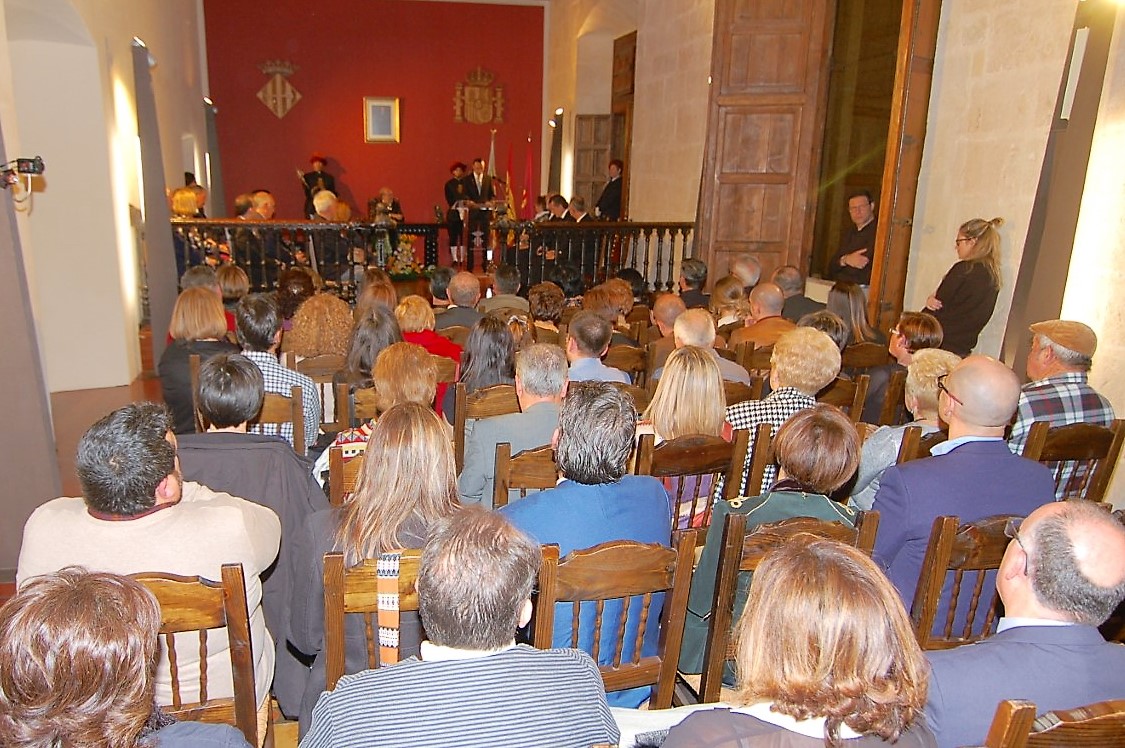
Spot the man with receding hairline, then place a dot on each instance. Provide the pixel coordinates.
(665, 310)
(973, 475)
(766, 303)
(697, 327)
(1062, 575)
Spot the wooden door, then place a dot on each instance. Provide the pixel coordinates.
(624, 78)
(766, 120)
(592, 134)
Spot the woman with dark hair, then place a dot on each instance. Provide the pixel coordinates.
(294, 286)
(546, 302)
(198, 327)
(818, 451)
(825, 656)
(79, 651)
(408, 483)
(369, 337)
(489, 358)
(966, 298)
(846, 300)
(569, 279)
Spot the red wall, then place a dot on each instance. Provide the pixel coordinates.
(345, 50)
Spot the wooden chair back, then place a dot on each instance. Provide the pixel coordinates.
(728, 353)
(737, 392)
(761, 456)
(641, 395)
(447, 368)
(455, 333)
(690, 467)
(497, 400)
(847, 394)
(543, 335)
(639, 313)
(278, 410)
(193, 368)
(859, 357)
(629, 359)
(915, 446)
(195, 604)
(378, 589)
(567, 315)
(755, 360)
(967, 552)
(1082, 456)
(321, 369)
(893, 411)
(742, 552)
(342, 475)
(1016, 726)
(530, 470)
(634, 574)
(638, 331)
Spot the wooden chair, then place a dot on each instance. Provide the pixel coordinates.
(641, 395)
(456, 333)
(278, 410)
(1016, 726)
(497, 400)
(546, 336)
(639, 313)
(629, 359)
(974, 548)
(742, 552)
(914, 446)
(379, 597)
(447, 368)
(638, 331)
(737, 392)
(566, 316)
(530, 470)
(322, 369)
(632, 573)
(894, 400)
(193, 368)
(728, 354)
(195, 604)
(847, 394)
(342, 475)
(858, 357)
(755, 360)
(761, 456)
(1082, 456)
(690, 467)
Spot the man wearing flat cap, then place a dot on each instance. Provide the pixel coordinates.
(315, 181)
(1057, 365)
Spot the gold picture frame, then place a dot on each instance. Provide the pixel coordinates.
(380, 119)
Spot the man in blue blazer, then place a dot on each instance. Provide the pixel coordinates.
(973, 475)
(594, 503)
(1062, 576)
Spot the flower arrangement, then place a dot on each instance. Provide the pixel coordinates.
(402, 264)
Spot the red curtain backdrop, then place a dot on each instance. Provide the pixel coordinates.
(345, 50)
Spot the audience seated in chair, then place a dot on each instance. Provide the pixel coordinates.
(416, 320)
(473, 684)
(914, 332)
(79, 651)
(259, 333)
(971, 476)
(765, 323)
(880, 449)
(540, 386)
(665, 311)
(1062, 576)
(546, 305)
(505, 286)
(596, 501)
(817, 450)
(259, 468)
(696, 327)
(693, 277)
(587, 340)
(464, 293)
(792, 284)
(137, 514)
(370, 336)
(488, 358)
(406, 486)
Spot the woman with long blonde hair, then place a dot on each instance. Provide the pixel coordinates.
(966, 298)
(408, 482)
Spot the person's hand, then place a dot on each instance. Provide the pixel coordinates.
(933, 303)
(857, 259)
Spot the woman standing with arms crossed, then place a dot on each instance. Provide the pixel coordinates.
(966, 298)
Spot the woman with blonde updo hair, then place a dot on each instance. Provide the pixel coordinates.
(825, 656)
(729, 305)
(966, 298)
(407, 484)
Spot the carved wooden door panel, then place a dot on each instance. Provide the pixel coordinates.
(765, 126)
(592, 133)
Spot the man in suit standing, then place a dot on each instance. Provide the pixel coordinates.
(973, 475)
(1062, 576)
(540, 386)
(608, 207)
(479, 191)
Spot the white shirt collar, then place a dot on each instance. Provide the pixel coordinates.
(431, 652)
(1011, 622)
(949, 445)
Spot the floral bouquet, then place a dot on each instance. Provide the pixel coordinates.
(403, 265)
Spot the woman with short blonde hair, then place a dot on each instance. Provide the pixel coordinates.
(414, 314)
(416, 319)
(805, 359)
(198, 327)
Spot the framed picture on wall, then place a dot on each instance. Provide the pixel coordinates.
(380, 119)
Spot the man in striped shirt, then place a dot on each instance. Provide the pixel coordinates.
(473, 686)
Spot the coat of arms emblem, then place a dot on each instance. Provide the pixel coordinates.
(477, 100)
(278, 94)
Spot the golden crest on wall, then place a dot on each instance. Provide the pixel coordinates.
(278, 94)
(476, 100)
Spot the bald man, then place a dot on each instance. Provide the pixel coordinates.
(972, 475)
(766, 324)
(665, 310)
(697, 327)
(1062, 576)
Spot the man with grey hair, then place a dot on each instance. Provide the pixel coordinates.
(792, 284)
(766, 303)
(1061, 577)
(697, 327)
(1058, 365)
(747, 269)
(540, 387)
(596, 502)
(973, 475)
(464, 293)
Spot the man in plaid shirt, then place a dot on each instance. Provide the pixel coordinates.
(1058, 393)
(259, 334)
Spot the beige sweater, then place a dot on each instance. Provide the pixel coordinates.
(195, 537)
